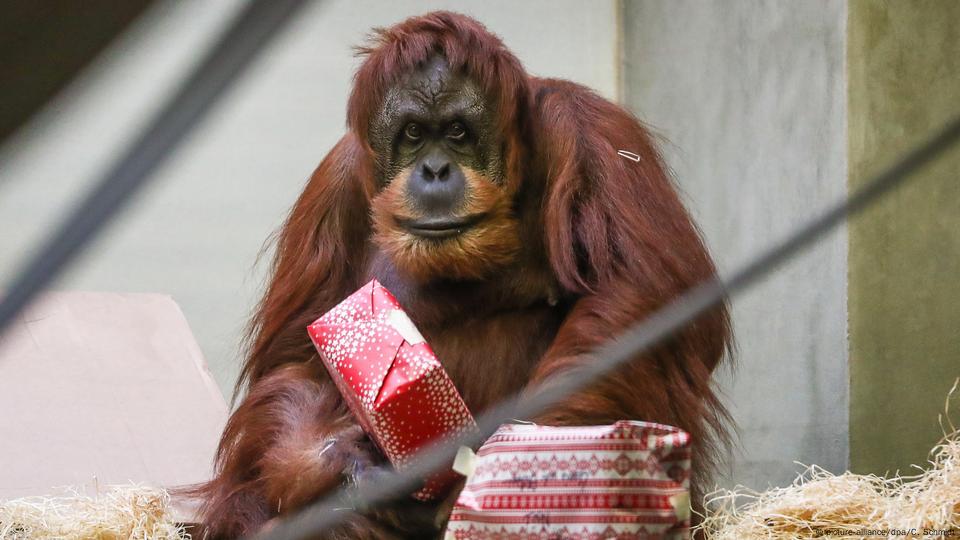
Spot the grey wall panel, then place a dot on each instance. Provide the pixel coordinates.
(749, 100)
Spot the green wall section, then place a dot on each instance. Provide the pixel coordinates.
(904, 255)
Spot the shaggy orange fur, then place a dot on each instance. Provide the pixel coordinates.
(579, 243)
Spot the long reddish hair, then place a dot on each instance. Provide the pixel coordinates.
(619, 238)
(320, 248)
(606, 242)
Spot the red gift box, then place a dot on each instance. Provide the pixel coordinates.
(390, 378)
(628, 481)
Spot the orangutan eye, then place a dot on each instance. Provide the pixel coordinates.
(457, 132)
(412, 132)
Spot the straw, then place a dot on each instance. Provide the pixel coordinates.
(122, 512)
(820, 504)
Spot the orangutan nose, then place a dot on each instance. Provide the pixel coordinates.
(437, 186)
(436, 169)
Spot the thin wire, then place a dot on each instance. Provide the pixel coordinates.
(220, 67)
(640, 337)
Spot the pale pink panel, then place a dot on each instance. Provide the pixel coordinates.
(104, 388)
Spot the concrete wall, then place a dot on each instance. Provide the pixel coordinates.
(749, 98)
(904, 61)
(196, 232)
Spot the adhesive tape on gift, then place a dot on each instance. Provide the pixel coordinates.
(681, 505)
(465, 462)
(404, 326)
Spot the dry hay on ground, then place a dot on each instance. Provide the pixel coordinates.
(123, 512)
(823, 505)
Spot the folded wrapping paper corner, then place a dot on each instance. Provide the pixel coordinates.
(628, 480)
(390, 377)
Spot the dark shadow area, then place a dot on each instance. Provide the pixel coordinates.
(43, 45)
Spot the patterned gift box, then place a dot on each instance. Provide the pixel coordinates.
(390, 378)
(629, 480)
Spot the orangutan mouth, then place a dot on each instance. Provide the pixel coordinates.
(443, 227)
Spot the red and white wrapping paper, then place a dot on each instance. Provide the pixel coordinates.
(625, 481)
(390, 378)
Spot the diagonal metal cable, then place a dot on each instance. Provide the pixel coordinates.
(642, 336)
(220, 67)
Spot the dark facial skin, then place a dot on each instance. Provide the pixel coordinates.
(435, 132)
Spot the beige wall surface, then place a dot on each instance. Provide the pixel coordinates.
(904, 297)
